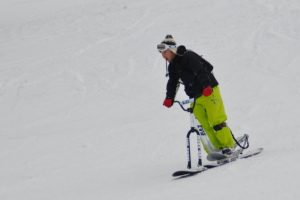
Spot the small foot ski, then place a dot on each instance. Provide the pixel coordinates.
(217, 156)
(220, 158)
(237, 155)
(251, 153)
(223, 161)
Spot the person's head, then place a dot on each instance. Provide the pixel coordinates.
(168, 48)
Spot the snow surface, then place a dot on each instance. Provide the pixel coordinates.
(82, 85)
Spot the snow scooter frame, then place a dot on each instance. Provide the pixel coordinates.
(197, 128)
(202, 137)
(241, 142)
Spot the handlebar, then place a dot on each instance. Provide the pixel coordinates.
(182, 103)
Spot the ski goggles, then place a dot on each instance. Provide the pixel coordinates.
(163, 47)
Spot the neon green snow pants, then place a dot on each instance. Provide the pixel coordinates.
(209, 111)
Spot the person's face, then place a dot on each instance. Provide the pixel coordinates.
(168, 55)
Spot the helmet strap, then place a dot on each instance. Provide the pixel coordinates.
(167, 71)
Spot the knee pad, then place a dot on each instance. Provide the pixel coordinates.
(218, 127)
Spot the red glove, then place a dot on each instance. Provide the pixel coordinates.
(168, 103)
(207, 91)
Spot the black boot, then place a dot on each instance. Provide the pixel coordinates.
(227, 151)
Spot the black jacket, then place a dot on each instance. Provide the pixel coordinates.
(192, 71)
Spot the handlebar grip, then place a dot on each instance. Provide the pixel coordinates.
(188, 101)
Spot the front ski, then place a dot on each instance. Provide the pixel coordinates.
(191, 172)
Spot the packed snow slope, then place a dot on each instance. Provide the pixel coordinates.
(82, 85)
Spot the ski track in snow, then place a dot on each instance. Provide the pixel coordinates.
(81, 86)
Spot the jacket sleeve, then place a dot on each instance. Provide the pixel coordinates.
(173, 83)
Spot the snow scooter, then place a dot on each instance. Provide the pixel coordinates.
(213, 153)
